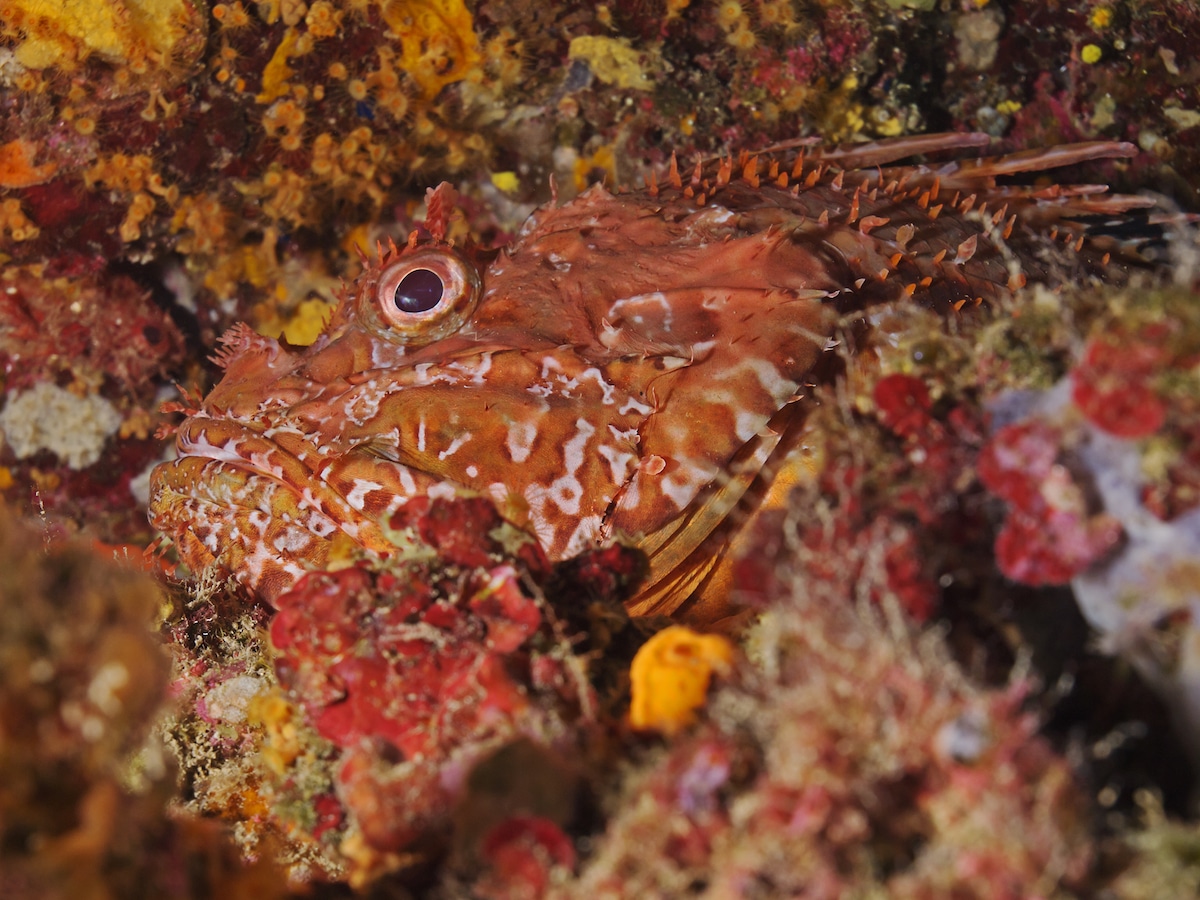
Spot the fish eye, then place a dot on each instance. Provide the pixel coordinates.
(419, 291)
(424, 295)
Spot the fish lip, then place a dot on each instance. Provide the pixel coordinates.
(193, 444)
(218, 461)
(237, 499)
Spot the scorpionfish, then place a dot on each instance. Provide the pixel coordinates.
(630, 367)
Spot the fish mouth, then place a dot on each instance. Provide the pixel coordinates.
(240, 500)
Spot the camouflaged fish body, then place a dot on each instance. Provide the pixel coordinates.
(626, 368)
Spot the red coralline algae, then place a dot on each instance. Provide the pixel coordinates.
(894, 502)
(1049, 535)
(1113, 384)
(903, 404)
(76, 320)
(416, 670)
(522, 853)
(894, 489)
(84, 351)
(462, 532)
(377, 657)
(847, 537)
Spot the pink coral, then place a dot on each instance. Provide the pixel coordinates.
(1113, 384)
(1049, 535)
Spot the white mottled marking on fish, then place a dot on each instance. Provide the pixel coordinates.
(620, 462)
(357, 497)
(455, 445)
(682, 485)
(519, 441)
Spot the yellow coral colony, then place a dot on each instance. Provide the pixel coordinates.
(144, 33)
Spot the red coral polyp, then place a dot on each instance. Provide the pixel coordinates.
(1113, 385)
(903, 404)
(1049, 535)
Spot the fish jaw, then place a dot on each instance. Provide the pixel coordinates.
(251, 505)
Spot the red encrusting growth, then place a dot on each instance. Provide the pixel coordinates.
(1050, 533)
(1114, 382)
(439, 663)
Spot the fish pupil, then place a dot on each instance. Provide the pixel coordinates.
(419, 291)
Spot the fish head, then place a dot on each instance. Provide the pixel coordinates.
(610, 374)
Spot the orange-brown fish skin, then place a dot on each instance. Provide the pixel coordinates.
(631, 367)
